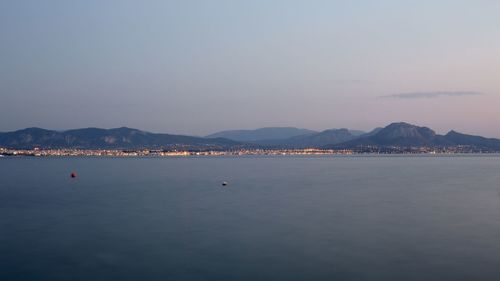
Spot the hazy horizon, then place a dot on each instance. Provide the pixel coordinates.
(196, 67)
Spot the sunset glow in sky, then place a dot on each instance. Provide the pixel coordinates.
(195, 67)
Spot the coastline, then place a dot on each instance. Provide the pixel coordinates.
(37, 152)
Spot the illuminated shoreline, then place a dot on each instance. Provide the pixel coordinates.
(164, 153)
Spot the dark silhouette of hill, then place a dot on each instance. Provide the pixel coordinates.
(270, 133)
(332, 136)
(408, 135)
(394, 135)
(118, 138)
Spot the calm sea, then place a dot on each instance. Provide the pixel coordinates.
(279, 218)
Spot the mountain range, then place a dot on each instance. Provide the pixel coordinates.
(118, 138)
(290, 137)
(268, 133)
(407, 135)
(394, 135)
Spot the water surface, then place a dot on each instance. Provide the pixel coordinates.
(280, 218)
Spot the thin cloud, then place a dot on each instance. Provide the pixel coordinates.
(352, 81)
(430, 95)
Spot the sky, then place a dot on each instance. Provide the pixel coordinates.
(196, 67)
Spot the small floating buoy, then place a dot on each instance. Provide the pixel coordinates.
(224, 183)
(73, 175)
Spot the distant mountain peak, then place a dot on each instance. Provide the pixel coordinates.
(402, 134)
(405, 130)
(337, 130)
(33, 129)
(266, 133)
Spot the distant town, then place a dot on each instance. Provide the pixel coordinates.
(39, 152)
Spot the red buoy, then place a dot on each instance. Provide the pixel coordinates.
(73, 175)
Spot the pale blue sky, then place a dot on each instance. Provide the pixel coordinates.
(194, 67)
